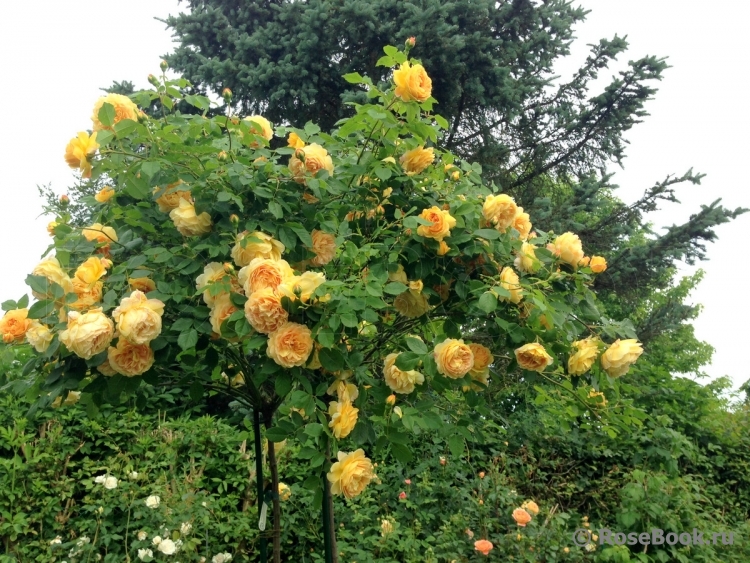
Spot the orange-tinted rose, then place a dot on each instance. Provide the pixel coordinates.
(78, 152)
(324, 247)
(398, 380)
(264, 312)
(14, 324)
(264, 273)
(290, 345)
(521, 517)
(130, 359)
(454, 359)
(350, 474)
(598, 264)
(533, 357)
(417, 160)
(483, 546)
(441, 223)
(315, 158)
(123, 106)
(255, 245)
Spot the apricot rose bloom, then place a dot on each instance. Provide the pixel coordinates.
(454, 359)
(221, 310)
(509, 280)
(142, 284)
(171, 197)
(343, 418)
(124, 109)
(618, 358)
(350, 474)
(442, 223)
(91, 271)
(88, 294)
(264, 312)
(586, 352)
(285, 493)
(398, 380)
(598, 264)
(521, 517)
(522, 223)
(324, 247)
(264, 273)
(412, 83)
(294, 141)
(568, 248)
(130, 359)
(500, 211)
(38, 335)
(14, 325)
(526, 260)
(483, 546)
(105, 194)
(482, 360)
(87, 334)
(50, 268)
(187, 221)
(213, 272)
(533, 357)
(290, 345)
(78, 151)
(255, 245)
(416, 160)
(99, 233)
(260, 126)
(531, 507)
(138, 318)
(316, 158)
(301, 286)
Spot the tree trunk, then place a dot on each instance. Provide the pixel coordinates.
(329, 522)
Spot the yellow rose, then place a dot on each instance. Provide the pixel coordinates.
(38, 335)
(531, 507)
(14, 325)
(294, 141)
(105, 369)
(87, 334)
(618, 358)
(99, 233)
(500, 210)
(255, 245)
(171, 197)
(585, 356)
(104, 195)
(316, 158)
(90, 271)
(411, 303)
(290, 345)
(399, 275)
(598, 264)
(221, 310)
(443, 249)
(130, 359)
(304, 286)
(533, 357)
(264, 273)
(285, 492)
(584, 262)
(454, 359)
(51, 227)
(568, 248)
(142, 284)
(598, 397)
(398, 380)
(526, 260)
(88, 294)
(70, 399)
(482, 360)
(509, 280)
(50, 269)
(324, 247)
(78, 151)
(264, 312)
(522, 224)
(187, 222)
(138, 318)
(260, 126)
(344, 391)
(343, 418)
(213, 272)
(124, 109)
(350, 474)
(416, 160)
(442, 223)
(412, 83)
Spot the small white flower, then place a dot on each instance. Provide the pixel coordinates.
(143, 553)
(204, 504)
(100, 479)
(83, 540)
(100, 510)
(185, 528)
(222, 558)
(167, 546)
(57, 540)
(156, 540)
(142, 535)
(589, 547)
(110, 482)
(153, 501)
(202, 560)
(177, 545)
(133, 475)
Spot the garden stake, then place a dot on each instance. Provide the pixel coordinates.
(259, 482)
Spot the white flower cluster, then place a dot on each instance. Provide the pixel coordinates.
(143, 553)
(153, 501)
(166, 545)
(108, 481)
(222, 558)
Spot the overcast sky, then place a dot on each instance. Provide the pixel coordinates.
(53, 61)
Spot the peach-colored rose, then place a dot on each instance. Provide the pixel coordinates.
(38, 335)
(105, 369)
(88, 294)
(188, 222)
(526, 260)
(350, 474)
(294, 141)
(442, 223)
(412, 82)
(79, 150)
(398, 380)
(301, 286)
(417, 160)
(581, 361)
(50, 268)
(499, 210)
(138, 318)
(130, 359)
(14, 325)
(221, 310)
(264, 312)
(568, 248)
(521, 517)
(584, 262)
(315, 157)
(87, 334)
(255, 245)
(598, 264)
(509, 280)
(443, 249)
(124, 109)
(344, 391)
(482, 360)
(522, 223)
(533, 357)
(454, 359)
(343, 418)
(324, 247)
(411, 303)
(260, 126)
(290, 345)
(264, 273)
(483, 546)
(105, 194)
(618, 358)
(213, 272)
(171, 197)
(142, 284)
(99, 233)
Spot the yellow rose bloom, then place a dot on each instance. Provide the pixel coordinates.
(598, 264)
(398, 380)
(90, 272)
(416, 160)
(531, 507)
(124, 109)
(442, 223)
(350, 474)
(88, 294)
(87, 334)
(213, 272)
(454, 359)
(316, 158)
(264, 273)
(521, 517)
(499, 210)
(581, 361)
(324, 247)
(344, 391)
(221, 310)
(38, 335)
(105, 369)
(618, 358)
(14, 325)
(522, 223)
(290, 345)
(301, 286)
(51, 227)
(399, 275)
(411, 303)
(526, 260)
(104, 195)
(78, 151)
(260, 126)
(170, 198)
(99, 233)
(509, 280)
(255, 245)
(285, 493)
(533, 357)
(598, 397)
(130, 359)
(482, 360)
(187, 222)
(412, 83)
(138, 318)
(294, 141)
(264, 312)
(568, 248)
(386, 527)
(343, 418)
(584, 262)
(142, 284)
(443, 249)
(50, 268)
(70, 399)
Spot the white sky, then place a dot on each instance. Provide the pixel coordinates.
(54, 60)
